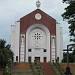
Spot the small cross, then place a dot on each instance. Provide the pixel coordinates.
(38, 4)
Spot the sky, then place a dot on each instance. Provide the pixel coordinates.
(12, 10)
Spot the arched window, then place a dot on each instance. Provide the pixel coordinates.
(22, 39)
(53, 40)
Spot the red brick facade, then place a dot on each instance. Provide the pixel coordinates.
(1, 72)
(28, 20)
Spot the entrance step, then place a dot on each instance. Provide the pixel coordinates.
(47, 68)
(21, 69)
(22, 72)
(21, 65)
(1, 72)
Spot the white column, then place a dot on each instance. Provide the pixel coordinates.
(22, 48)
(53, 48)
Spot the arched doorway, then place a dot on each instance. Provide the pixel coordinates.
(38, 40)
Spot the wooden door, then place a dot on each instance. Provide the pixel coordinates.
(44, 59)
(37, 59)
(29, 59)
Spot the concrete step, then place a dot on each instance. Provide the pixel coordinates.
(21, 69)
(22, 72)
(21, 65)
(47, 68)
(18, 73)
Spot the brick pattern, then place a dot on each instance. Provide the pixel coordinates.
(23, 66)
(28, 20)
(1, 72)
(47, 68)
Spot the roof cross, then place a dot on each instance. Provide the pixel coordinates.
(38, 3)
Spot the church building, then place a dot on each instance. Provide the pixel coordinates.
(37, 37)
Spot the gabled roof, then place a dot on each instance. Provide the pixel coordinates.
(38, 11)
(45, 20)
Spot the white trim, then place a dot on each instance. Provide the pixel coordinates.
(33, 54)
(59, 42)
(15, 35)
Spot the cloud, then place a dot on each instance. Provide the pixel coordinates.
(13, 10)
(66, 40)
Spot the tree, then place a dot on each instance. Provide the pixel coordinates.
(69, 15)
(5, 53)
(73, 53)
(71, 57)
(64, 57)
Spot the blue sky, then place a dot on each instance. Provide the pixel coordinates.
(12, 10)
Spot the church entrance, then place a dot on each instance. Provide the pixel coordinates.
(37, 59)
(29, 59)
(44, 59)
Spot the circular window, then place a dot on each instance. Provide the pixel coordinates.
(38, 16)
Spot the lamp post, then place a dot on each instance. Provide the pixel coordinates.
(68, 55)
(68, 49)
(72, 47)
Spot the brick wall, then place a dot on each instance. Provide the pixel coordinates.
(1, 72)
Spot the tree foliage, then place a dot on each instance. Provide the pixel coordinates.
(69, 15)
(71, 57)
(5, 53)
